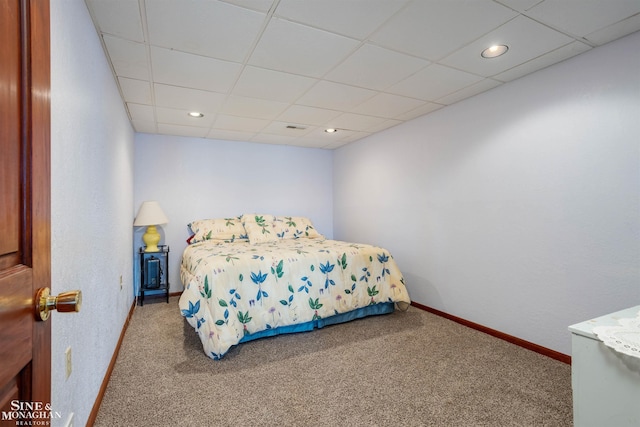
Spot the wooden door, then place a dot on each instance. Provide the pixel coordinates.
(25, 248)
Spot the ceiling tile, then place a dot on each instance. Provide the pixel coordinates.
(355, 19)
(267, 138)
(135, 91)
(259, 5)
(193, 71)
(188, 99)
(469, 91)
(335, 96)
(420, 111)
(144, 127)
(353, 137)
(208, 28)
(181, 117)
(322, 138)
(179, 130)
(339, 144)
(434, 82)
(585, 16)
(242, 124)
(526, 39)
(387, 105)
(253, 107)
(298, 49)
(272, 85)
(615, 31)
(433, 29)
(129, 59)
(355, 122)
(230, 135)
(384, 125)
(555, 56)
(308, 115)
(376, 68)
(309, 142)
(118, 17)
(280, 128)
(141, 113)
(520, 5)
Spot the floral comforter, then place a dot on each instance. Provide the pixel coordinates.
(233, 290)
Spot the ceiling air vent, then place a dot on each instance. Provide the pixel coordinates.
(296, 127)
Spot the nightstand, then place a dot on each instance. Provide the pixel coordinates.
(154, 272)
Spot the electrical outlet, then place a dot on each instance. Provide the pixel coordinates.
(121, 282)
(67, 354)
(69, 421)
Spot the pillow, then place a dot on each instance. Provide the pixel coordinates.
(220, 230)
(260, 228)
(295, 227)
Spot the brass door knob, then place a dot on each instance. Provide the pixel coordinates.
(66, 302)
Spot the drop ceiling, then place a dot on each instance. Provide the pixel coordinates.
(283, 71)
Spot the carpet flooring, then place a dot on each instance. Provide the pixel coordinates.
(408, 368)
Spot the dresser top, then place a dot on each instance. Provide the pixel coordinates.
(586, 328)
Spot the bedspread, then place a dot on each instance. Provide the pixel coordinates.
(234, 290)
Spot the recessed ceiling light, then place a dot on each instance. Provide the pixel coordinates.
(495, 51)
(196, 114)
(331, 130)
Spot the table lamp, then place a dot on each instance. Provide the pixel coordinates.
(150, 214)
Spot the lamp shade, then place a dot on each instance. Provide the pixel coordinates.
(150, 213)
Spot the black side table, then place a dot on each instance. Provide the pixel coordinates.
(154, 272)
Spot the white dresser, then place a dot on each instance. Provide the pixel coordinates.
(606, 384)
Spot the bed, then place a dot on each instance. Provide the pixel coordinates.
(255, 276)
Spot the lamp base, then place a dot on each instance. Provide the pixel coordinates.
(151, 238)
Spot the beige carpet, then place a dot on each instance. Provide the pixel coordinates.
(403, 369)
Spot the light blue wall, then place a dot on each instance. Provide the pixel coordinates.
(195, 178)
(518, 209)
(91, 209)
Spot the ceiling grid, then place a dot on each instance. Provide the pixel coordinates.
(282, 71)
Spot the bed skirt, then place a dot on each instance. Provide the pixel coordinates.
(370, 310)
